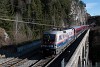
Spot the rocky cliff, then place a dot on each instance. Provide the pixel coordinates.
(4, 38)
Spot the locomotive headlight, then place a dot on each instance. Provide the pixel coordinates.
(55, 46)
(42, 45)
(51, 45)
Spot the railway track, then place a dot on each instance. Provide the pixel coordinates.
(41, 62)
(34, 60)
(17, 62)
(13, 62)
(20, 63)
(45, 62)
(37, 61)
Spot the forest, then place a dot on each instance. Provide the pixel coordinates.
(15, 13)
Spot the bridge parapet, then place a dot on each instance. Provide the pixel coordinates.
(80, 56)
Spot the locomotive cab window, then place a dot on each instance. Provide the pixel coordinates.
(48, 39)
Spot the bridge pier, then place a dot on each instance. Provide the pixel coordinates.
(79, 62)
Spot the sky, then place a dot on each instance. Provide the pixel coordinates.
(92, 7)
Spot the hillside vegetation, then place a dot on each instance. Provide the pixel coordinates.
(51, 12)
(94, 19)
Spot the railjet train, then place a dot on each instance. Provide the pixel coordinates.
(54, 41)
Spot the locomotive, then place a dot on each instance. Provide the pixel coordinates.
(55, 41)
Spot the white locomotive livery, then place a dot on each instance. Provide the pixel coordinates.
(54, 41)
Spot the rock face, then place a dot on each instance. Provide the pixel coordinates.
(4, 38)
(96, 36)
(94, 52)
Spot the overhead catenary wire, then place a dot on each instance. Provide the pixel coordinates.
(29, 22)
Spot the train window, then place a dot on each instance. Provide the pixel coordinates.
(50, 37)
(60, 37)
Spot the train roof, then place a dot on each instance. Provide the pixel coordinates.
(75, 27)
(57, 31)
(53, 32)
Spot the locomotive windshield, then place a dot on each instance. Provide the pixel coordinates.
(48, 38)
